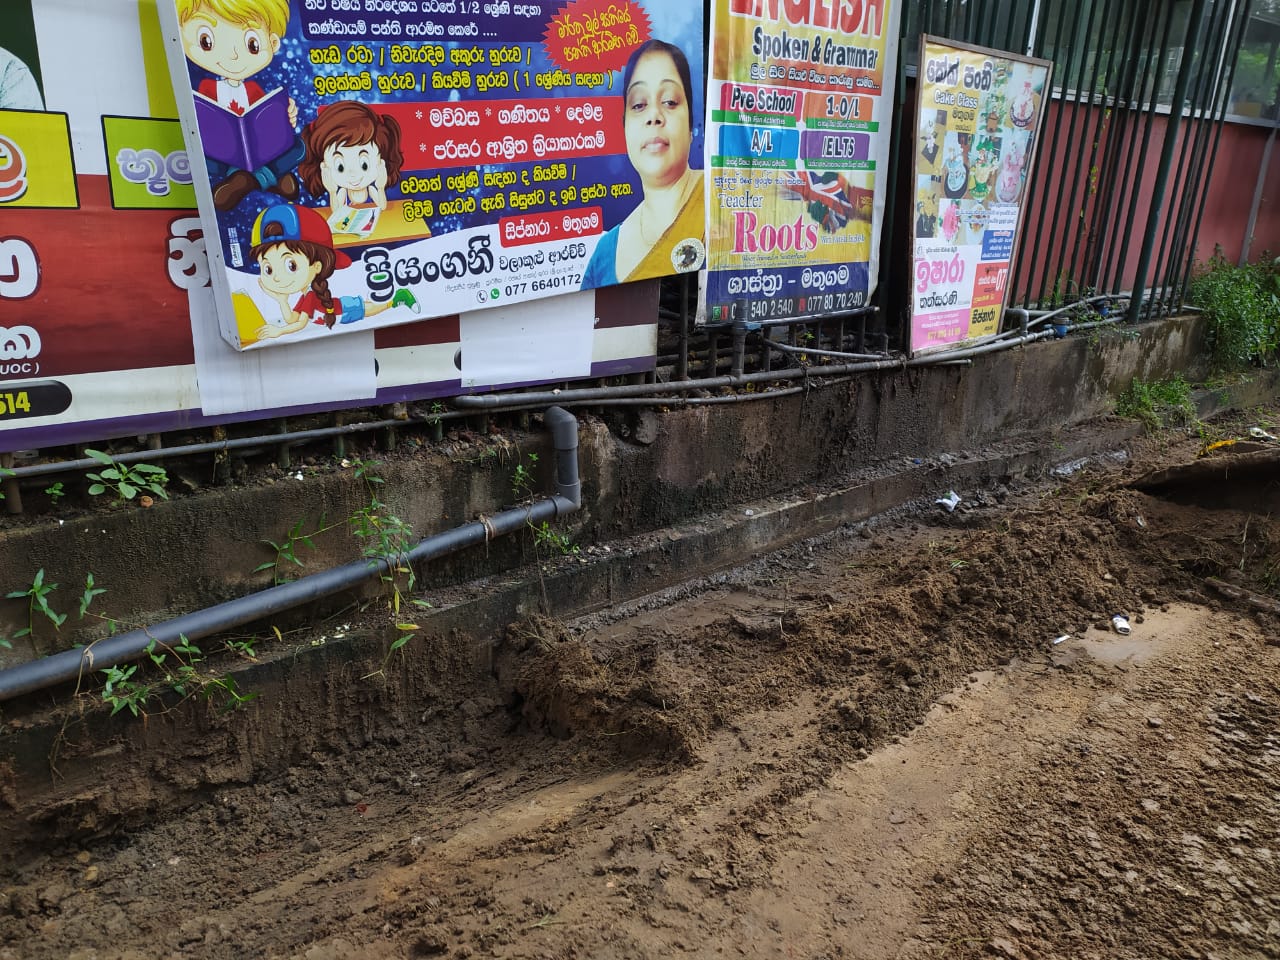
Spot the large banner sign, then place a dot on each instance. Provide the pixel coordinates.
(979, 121)
(108, 321)
(364, 163)
(800, 105)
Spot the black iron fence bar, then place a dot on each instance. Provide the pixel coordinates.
(987, 17)
(1233, 58)
(888, 224)
(1119, 137)
(1194, 23)
(1045, 178)
(1185, 187)
(1133, 177)
(1010, 23)
(1207, 138)
(1055, 234)
(1085, 175)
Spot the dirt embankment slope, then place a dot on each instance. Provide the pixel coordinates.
(866, 747)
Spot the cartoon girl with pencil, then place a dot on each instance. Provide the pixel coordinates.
(293, 248)
(353, 154)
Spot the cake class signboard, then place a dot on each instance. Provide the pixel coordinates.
(364, 163)
(978, 127)
(800, 102)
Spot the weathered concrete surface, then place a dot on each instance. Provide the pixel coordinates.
(201, 549)
(714, 487)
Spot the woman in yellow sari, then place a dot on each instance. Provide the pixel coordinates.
(665, 232)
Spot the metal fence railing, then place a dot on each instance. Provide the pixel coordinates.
(1129, 141)
(1115, 207)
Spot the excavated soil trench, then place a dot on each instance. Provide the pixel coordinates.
(869, 746)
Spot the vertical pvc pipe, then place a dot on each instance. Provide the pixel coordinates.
(1252, 225)
(1033, 25)
(340, 441)
(283, 459)
(682, 361)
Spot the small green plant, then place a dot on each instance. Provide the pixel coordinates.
(37, 597)
(91, 591)
(1156, 402)
(407, 631)
(1101, 335)
(244, 648)
(122, 692)
(386, 536)
(545, 536)
(55, 492)
(287, 551)
(522, 479)
(177, 667)
(1242, 305)
(5, 472)
(126, 481)
(125, 687)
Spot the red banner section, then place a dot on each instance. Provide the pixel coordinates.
(89, 320)
(505, 131)
(989, 285)
(591, 35)
(556, 225)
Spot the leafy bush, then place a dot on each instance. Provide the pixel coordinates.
(1156, 402)
(1242, 305)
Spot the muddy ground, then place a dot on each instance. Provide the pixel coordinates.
(869, 746)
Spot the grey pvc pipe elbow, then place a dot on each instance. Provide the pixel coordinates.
(564, 436)
(125, 647)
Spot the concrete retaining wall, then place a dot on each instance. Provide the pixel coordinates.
(203, 548)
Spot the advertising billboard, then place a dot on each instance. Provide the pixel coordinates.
(800, 112)
(108, 320)
(977, 131)
(368, 163)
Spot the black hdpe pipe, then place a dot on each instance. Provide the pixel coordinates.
(70, 664)
(652, 392)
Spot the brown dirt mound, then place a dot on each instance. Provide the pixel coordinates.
(528, 820)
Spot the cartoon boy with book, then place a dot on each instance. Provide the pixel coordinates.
(248, 134)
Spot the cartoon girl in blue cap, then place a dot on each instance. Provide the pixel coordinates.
(293, 248)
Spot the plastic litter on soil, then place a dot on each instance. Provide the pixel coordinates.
(919, 737)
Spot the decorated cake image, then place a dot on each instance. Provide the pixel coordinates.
(955, 175)
(1009, 179)
(950, 225)
(1022, 109)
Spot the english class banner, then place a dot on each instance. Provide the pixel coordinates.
(978, 128)
(367, 163)
(800, 105)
